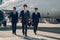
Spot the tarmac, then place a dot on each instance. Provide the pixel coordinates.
(45, 31)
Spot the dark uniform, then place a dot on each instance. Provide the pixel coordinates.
(25, 16)
(14, 20)
(35, 20)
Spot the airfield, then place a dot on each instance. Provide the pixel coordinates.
(45, 31)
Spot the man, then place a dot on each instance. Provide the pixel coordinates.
(14, 20)
(35, 19)
(24, 14)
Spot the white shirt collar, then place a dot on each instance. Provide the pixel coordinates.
(25, 11)
(36, 12)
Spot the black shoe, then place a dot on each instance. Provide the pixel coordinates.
(25, 35)
(14, 33)
(35, 33)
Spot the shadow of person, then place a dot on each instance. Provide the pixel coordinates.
(48, 36)
(18, 35)
(31, 38)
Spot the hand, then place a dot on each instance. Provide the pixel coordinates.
(29, 19)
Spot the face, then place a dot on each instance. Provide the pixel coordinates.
(25, 7)
(14, 9)
(36, 10)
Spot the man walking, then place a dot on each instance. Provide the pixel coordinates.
(25, 15)
(14, 20)
(35, 19)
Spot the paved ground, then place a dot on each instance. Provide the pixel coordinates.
(7, 35)
(45, 32)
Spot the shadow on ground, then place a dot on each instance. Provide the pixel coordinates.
(30, 38)
(48, 36)
(46, 29)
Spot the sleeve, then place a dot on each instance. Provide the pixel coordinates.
(20, 14)
(17, 15)
(10, 15)
(32, 15)
(39, 15)
(28, 14)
